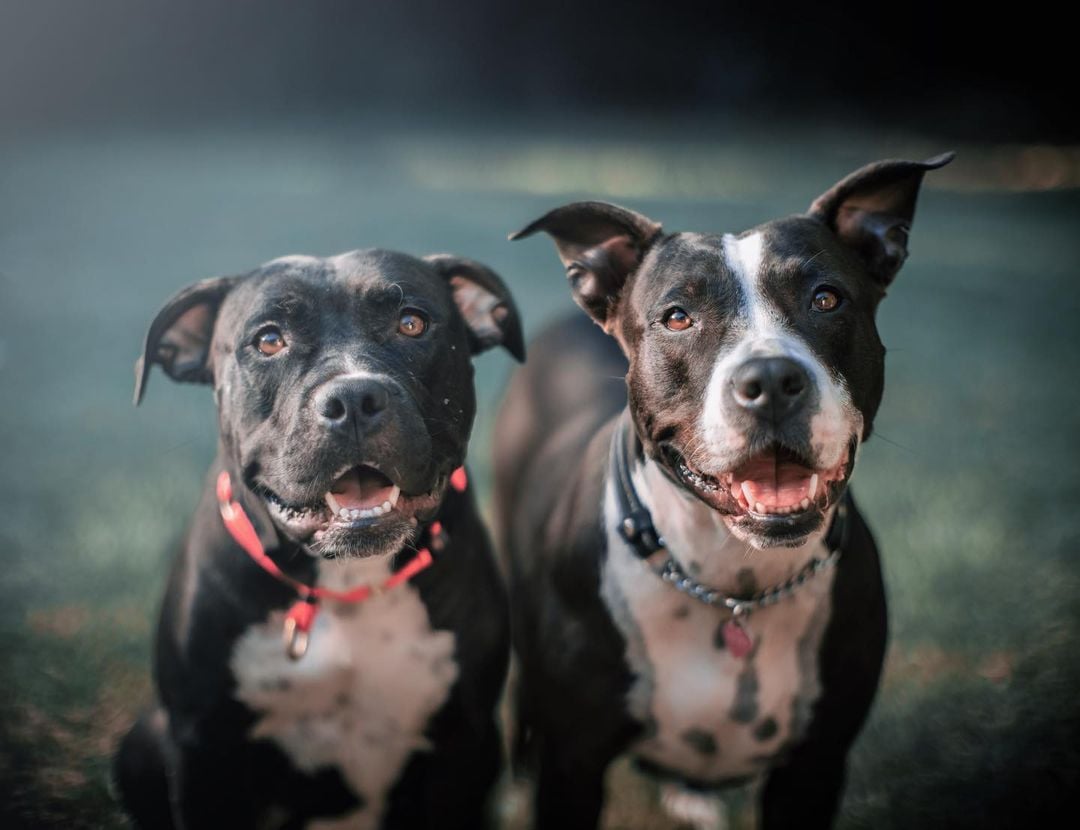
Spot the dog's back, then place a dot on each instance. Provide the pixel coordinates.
(572, 384)
(555, 419)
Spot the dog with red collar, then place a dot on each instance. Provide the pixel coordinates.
(693, 586)
(334, 635)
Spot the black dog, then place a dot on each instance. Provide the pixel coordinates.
(345, 398)
(692, 584)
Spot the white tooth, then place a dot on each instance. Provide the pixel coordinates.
(344, 512)
(387, 507)
(813, 486)
(357, 513)
(805, 503)
(394, 495)
(746, 492)
(335, 508)
(759, 508)
(367, 514)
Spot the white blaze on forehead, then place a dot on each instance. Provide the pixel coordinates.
(764, 332)
(744, 256)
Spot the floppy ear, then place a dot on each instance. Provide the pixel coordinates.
(871, 211)
(484, 302)
(600, 245)
(179, 338)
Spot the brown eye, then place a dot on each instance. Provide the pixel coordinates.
(677, 320)
(411, 324)
(825, 299)
(270, 341)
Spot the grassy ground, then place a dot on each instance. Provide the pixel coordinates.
(971, 483)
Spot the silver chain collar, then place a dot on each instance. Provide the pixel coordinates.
(672, 573)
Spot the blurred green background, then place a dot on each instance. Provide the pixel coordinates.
(970, 483)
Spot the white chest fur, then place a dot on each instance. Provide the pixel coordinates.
(360, 699)
(711, 716)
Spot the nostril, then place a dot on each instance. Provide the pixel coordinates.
(373, 402)
(751, 390)
(333, 408)
(792, 384)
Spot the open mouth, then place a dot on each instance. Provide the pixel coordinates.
(363, 511)
(775, 482)
(778, 482)
(362, 493)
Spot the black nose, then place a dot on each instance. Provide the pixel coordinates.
(771, 387)
(352, 400)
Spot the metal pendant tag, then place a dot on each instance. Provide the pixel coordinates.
(298, 622)
(296, 640)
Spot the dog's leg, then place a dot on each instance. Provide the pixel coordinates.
(205, 792)
(570, 789)
(438, 791)
(140, 771)
(804, 792)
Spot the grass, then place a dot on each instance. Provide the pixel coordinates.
(971, 483)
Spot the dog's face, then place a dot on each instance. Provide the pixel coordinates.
(344, 385)
(755, 364)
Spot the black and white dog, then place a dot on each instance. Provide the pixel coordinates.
(692, 583)
(345, 400)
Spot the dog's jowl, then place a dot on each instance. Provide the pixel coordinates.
(334, 634)
(693, 585)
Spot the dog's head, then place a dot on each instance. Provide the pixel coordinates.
(344, 385)
(755, 364)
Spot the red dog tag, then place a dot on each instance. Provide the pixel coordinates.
(737, 638)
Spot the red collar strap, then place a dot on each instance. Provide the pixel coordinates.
(301, 616)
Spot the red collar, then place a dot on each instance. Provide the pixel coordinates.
(301, 616)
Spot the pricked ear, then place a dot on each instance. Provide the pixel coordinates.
(871, 211)
(484, 302)
(600, 245)
(179, 338)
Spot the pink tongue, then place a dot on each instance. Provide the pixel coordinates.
(774, 485)
(360, 489)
